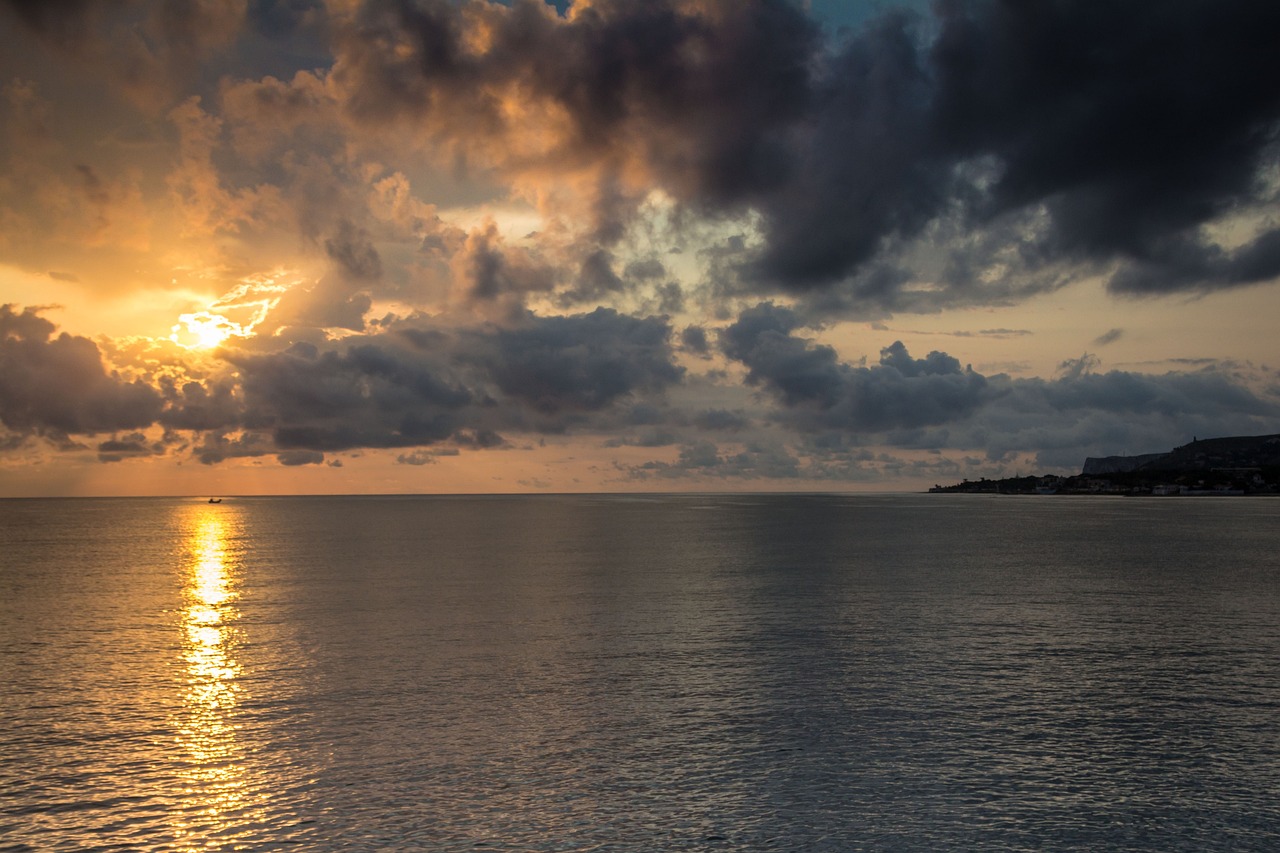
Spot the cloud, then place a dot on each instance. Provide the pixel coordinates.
(1108, 337)
(694, 339)
(130, 446)
(705, 459)
(294, 458)
(972, 155)
(579, 362)
(146, 51)
(417, 457)
(934, 403)
(501, 221)
(987, 115)
(815, 387)
(418, 385)
(353, 252)
(58, 385)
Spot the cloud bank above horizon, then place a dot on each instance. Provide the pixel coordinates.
(678, 244)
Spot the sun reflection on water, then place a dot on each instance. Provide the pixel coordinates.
(217, 791)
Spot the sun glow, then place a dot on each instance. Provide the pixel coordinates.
(250, 301)
(204, 330)
(220, 796)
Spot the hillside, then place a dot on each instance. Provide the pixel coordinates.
(1235, 465)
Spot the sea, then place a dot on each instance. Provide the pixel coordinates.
(640, 673)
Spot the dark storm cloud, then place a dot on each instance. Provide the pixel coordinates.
(1134, 123)
(793, 368)
(818, 389)
(133, 445)
(1064, 420)
(912, 401)
(1130, 125)
(294, 458)
(863, 171)
(418, 386)
(1117, 129)
(199, 406)
(707, 98)
(580, 362)
(1187, 263)
(694, 339)
(1052, 136)
(408, 384)
(933, 403)
(58, 385)
(366, 396)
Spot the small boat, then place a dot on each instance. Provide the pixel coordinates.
(215, 500)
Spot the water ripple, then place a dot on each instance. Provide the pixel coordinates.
(587, 674)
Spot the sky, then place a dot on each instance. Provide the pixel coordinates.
(426, 246)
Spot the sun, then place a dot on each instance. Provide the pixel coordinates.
(203, 330)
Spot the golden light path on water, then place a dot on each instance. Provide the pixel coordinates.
(218, 795)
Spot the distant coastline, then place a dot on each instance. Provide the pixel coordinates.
(1213, 467)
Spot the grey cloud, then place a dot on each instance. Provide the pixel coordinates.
(1108, 337)
(771, 460)
(352, 250)
(417, 457)
(216, 446)
(199, 406)
(721, 420)
(1043, 139)
(989, 115)
(680, 85)
(119, 449)
(933, 402)
(59, 385)
(579, 362)
(820, 391)
(1186, 263)
(704, 459)
(1116, 412)
(491, 270)
(645, 438)
(293, 458)
(333, 302)
(595, 281)
(477, 439)
(144, 50)
(648, 268)
(694, 340)
(416, 385)
(799, 372)
(863, 173)
(1159, 126)
(367, 396)
(282, 18)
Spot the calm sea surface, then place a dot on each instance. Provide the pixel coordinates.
(640, 674)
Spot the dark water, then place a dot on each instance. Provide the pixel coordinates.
(608, 673)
